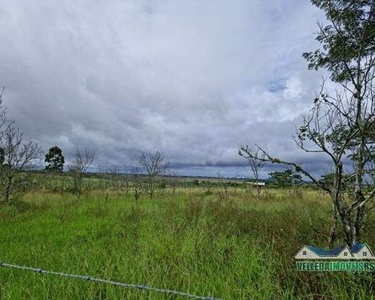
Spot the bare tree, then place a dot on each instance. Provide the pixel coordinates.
(119, 180)
(82, 161)
(3, 118)
(17, 158)
(153, 164)
(126, 184)
(173, 179)
(2, 122)
(255, 162)
(104, 181)
(335, 128)
(341, 125)
(113, 177)
(137, 183)
(223, 193)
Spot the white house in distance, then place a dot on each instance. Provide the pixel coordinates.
(256, 184)
(358, 251)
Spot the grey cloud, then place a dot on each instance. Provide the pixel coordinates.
(193, 79)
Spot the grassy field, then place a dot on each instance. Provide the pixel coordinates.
(235, 247)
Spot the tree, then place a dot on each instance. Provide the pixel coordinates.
(256, 164)
(223, 193)
(2, 156)
(285, 178)
(153, 164)
(17, 157)
(3, 117)
(328, 180)
(138, 183)
(113, 177)
(82, 161)
(340, 121)
(2, 122)
(173, 179)
(55, 160)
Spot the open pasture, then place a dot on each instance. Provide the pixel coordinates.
(192, 240)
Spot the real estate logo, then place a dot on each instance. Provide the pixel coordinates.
(359, 257)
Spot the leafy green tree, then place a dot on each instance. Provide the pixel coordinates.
(328, 180)
(55, 160)
(285, 178)
(348, 40)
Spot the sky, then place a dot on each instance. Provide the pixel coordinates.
(194, 79)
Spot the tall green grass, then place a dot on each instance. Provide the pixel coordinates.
(238, 247)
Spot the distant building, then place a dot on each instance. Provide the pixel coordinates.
(359, 251)
(260, 184)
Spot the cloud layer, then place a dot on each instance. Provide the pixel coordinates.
(195, 79)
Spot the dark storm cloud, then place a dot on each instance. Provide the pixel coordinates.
(195, 79)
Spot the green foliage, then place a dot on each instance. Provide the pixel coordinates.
(162, 184)
(349, 35)
(328, 179)
(55, 160)
(285, 178)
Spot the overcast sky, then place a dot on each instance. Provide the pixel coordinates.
(194, 79)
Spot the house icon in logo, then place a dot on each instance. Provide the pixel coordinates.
(358, 252)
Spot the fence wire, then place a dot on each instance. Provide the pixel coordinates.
(125, 285)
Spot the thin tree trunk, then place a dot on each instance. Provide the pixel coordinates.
(8, 189)
(333, 230)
